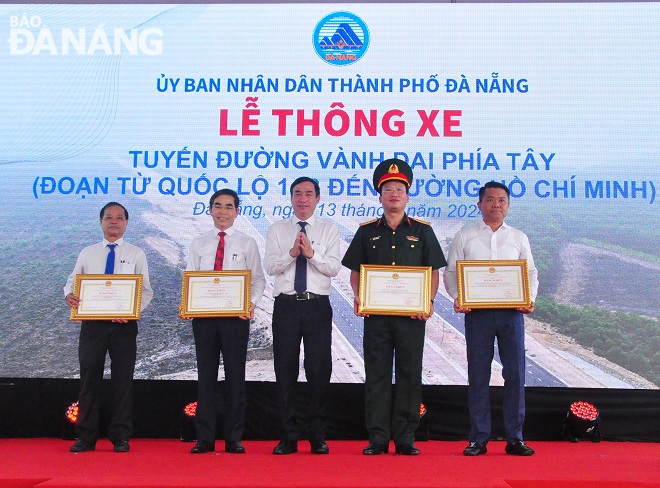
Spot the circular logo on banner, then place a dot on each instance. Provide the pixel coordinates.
(341, 38)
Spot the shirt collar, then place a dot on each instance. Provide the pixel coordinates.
(310, 221)
(383, 220)
(483, 225)
(119, 242)
(228, 231)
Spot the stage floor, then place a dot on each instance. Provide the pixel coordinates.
(168, 463)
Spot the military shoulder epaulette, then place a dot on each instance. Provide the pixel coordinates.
(368, 222)
(420, 221)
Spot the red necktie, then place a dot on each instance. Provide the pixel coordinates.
(220, 253)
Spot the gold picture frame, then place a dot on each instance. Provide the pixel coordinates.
(493, 284)
(394, 290)
(216, 293)
(107, 296)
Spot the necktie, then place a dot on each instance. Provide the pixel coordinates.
(220, 253)
(300, 280)
(110, 260)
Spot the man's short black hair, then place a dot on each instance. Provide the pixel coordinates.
(493, 184)
(113, 204)
(303, 179)
(225, 191)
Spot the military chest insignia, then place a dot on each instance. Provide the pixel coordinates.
(375, 238)
(412, 238)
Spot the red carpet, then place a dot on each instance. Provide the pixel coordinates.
(167, 463)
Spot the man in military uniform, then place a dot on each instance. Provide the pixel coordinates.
(393, 239)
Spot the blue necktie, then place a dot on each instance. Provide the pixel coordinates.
(110, 261)
(300, 280)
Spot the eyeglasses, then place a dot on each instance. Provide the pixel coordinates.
(394, 190)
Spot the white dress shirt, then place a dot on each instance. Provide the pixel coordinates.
(129, 259)
(480, 242)
(321, 267)
(241, 252)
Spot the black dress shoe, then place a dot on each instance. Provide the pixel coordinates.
(203, 446)
(234, 447)
(122, 446)
(407, 449)
(82, 446)
(518, 448)
(286, 447)
(475, 449)
(319, 447)
(373, 449)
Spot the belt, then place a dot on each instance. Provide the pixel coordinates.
(301, 296)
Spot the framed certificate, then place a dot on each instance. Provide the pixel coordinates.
(216, 293)
(395, 290)
(493, 284)
(107, 296)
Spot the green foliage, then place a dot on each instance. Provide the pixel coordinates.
(551, 227)
(642, 256)
(627, 339)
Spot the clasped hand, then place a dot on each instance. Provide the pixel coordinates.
(302, 245)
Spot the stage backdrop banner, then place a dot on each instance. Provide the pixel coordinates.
(158, 106)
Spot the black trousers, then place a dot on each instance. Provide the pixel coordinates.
(213, 336)
(392, 341)
(118, 340)
(311, 322)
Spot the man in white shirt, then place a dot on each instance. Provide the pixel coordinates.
(223, 248)
(117, 337)
(493, 239)
(302, 252)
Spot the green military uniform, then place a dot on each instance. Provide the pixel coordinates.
(412, 243)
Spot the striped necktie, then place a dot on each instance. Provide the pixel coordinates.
(220, 252)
